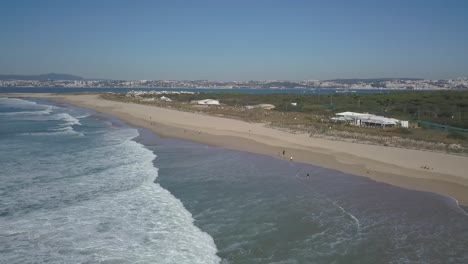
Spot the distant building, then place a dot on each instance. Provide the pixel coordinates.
(207, 102)
(263, 106)
(364, 119)
(166, 99)
(266, 106)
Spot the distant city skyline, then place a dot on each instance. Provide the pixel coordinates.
(235, 40)
(73, 77)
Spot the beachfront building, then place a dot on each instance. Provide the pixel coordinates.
(369, 120)
(207, 102)
(262, 106)
(166, 99)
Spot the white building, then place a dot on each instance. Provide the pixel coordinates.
(166, 99)
(364, 119)
(263, 106)
(207, 102)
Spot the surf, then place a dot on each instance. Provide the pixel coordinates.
(90, 198)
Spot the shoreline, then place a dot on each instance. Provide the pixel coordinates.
(395, 166)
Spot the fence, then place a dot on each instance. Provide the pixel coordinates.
(434, 126)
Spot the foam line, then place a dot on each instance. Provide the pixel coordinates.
(457, 204)
(97, 203)
(355, 219)
(358, 224)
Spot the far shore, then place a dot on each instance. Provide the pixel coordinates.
(440, 173)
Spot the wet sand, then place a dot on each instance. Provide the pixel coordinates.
(408, 168)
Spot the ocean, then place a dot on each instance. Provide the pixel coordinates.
(81, 187)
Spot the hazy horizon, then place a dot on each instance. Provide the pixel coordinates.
(85, 78)
(235, 41)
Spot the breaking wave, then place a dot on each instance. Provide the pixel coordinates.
(91, 199)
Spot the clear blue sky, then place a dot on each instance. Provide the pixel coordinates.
(235, 40)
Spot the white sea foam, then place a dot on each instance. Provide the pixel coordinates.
(32, 108)
(19, 103)
(82, 116)
(26, 113)
(354, 218)
(43, 113)
(70, 120)
(67, 127)
(65, 131)
(98, 204)
(457, 207)
(358, 224)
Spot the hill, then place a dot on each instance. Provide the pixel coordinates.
(41, 77)
(353, 81)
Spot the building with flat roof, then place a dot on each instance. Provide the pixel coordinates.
(366, 119)
(207, 102)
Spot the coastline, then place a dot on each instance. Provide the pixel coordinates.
(396, 166)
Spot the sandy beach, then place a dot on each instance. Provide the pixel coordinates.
(444, 173)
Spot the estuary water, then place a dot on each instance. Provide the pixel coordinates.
(195, 90)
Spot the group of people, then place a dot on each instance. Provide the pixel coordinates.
(426, 167)
(284, 152)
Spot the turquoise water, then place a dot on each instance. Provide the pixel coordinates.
(80, 187)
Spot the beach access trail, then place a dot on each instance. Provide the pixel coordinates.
(447, 174)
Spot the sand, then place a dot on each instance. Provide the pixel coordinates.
(447, 174)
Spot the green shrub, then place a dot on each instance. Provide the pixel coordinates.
(455, 135)
(402, 130)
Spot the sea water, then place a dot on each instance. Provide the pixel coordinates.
(75, 188)
(261, 209)
(79, 187)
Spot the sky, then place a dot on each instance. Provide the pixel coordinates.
(235, 40)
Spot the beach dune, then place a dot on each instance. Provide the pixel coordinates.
(441, 173)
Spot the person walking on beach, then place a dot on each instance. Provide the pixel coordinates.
(284, 151)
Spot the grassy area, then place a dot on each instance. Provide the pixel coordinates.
(442, 107)
(312, 114)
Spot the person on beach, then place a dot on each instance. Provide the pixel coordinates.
(291, 158)
(284, 151)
